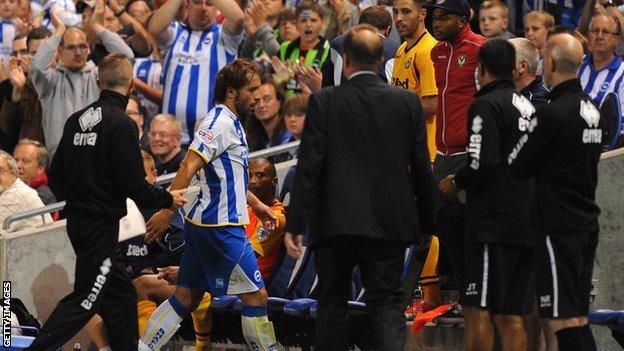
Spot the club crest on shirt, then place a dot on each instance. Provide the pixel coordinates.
(207, 40)
(605, 86)
(461, 60)
(408, 62)
(207, 135)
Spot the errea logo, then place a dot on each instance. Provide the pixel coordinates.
(100, 280)
(89, 119)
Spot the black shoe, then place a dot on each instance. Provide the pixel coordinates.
(453, 316)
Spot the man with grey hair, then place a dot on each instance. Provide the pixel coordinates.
(525, 75)
(165, 141)
(16, 197)
(32, 160)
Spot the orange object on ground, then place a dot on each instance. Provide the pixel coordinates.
(426, 317)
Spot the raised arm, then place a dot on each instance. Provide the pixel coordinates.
(141, 38)
(41, 72)
(158, 26)
(234, 15)
(112, 41)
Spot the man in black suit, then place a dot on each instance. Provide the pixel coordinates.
(364, 186)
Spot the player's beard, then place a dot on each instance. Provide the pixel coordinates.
(244, 112)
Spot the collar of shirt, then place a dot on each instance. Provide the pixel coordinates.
(114, 98)
(359, 73)
(569, 86)
(497, 84)
(614, 64)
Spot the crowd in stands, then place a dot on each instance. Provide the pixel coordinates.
(49, 52)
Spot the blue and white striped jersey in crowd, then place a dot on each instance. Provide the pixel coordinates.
(190, 70)
(598, 84)
(222, 199)
(149, 71)
(7, 33)
(65, 9)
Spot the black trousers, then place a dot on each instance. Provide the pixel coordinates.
(451, 216)
(101, 286)
(381, 263)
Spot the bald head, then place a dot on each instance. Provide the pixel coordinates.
(563, 55)
(363, 47)
(115, 73)
(566, 52)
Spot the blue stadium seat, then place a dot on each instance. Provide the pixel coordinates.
(611, 112)
(606, 317)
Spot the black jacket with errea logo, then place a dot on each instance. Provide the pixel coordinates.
(498, 205)
(98, 163)
(562, 149)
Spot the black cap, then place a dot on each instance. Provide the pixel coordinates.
(458, 7)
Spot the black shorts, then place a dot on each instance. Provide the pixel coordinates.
(564, 264)
(499, 278)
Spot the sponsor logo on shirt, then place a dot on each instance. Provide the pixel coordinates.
(400, 83)
(137, 251)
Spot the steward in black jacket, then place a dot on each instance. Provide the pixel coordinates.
(561, 148)
(498, 205)
(96, 167)
(98, 162)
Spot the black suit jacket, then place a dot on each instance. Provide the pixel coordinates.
(363, 165)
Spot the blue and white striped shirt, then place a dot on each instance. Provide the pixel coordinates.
(597, 84)
(7, 34)
(190, 69)
(149, 71)
(222, 199)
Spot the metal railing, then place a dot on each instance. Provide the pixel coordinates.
(164, 179)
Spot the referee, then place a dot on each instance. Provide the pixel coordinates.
(96, 167)
(561, 149)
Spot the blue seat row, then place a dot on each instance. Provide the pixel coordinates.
(292, 304)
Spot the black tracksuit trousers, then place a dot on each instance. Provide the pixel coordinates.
(101, 286)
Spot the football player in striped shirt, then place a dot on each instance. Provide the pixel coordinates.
(196, 50)
(218, 257)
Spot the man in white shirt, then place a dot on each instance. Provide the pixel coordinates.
(17, 197)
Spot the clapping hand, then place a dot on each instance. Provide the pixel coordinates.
(310, 79)
(17, 77)
(59, 25)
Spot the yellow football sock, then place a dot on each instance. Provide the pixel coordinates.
(429, 279)
(202, 321)
(145, 309)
